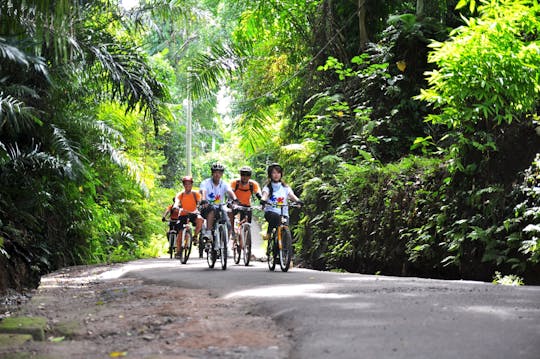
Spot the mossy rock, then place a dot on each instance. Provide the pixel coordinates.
(34, 326)
(68, 329)
(13, 340)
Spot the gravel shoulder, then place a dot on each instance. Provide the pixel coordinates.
(89, 316)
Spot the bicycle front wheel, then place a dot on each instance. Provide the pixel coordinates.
(236, 250)
(246, 237)
(271, 252)
(211, 255)
(187, 242)
(285, 252)
(223, 246)
(172, 238)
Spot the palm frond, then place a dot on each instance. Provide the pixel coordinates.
(62, 145)
(132, 80)
(208, 69)
(15, 116)
(23, 162)
(254, 129)
(119, 158)
(12, 54)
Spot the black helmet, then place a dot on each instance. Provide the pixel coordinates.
(246, 170)
(274, 166)
(217, 167)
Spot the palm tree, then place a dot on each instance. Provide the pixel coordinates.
(56, 66)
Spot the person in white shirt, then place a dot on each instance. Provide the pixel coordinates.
(274, 194)
(214, 191)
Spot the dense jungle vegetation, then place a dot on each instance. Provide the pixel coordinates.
(409, 128)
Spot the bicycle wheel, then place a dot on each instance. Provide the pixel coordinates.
(211, 255)
(236, 250)
(285, 252)
(246, 236)
(201, 245)
(187, 240)
(172, 238)
(223, 245)
(271, 251)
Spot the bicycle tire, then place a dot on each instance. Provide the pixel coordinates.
(236, 251)
(186, 245)
(223, 246)
(171, 239)
(201, 245)
(246, 236)
(271, 251)
(285, 252)
(211, 256)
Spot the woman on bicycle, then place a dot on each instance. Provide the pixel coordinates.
(276, 192)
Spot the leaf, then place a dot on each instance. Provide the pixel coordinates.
(117, 354)
(56, 339)
(532, 228)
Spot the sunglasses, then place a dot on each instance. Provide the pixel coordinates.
(245, 174)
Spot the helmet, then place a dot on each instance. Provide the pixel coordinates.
(274, 166)
(246, 170)
(217, 167)
(187, 179)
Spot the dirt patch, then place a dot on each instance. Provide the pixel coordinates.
(89, 317)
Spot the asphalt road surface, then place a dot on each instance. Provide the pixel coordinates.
(343, 315)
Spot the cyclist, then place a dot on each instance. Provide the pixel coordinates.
(172, 213)
(187, 201)
(214, 190)
(276, 192)
(244, 188)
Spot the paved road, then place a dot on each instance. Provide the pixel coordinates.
(344, 315)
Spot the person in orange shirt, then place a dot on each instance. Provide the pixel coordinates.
(187, 202)
(244, 188)
(172, 213)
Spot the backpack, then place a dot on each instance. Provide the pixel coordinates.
(250, 187)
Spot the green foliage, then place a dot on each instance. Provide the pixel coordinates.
(487, 76)
(511, 279)
(77, 156)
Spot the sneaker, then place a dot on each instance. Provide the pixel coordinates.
(177, 256)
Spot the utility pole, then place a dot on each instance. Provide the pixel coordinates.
(188, 124)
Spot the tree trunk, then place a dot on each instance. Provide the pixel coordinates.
(364, 39)
(419, 9)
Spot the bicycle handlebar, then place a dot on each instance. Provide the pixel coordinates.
(277, 205)
(242, 208)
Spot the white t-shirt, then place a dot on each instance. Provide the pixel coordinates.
(280, 196)
(215, 194)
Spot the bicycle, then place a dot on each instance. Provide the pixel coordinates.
(171, 237)
(186, 240)
(280, 242)
(243, 236)
(217, 246)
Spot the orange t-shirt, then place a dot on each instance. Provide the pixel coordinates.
(189, 201)
(173, 211)
(243, 191)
